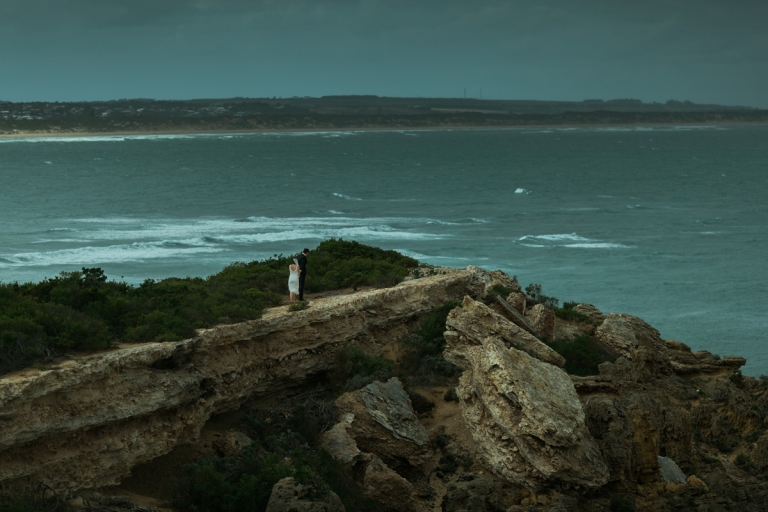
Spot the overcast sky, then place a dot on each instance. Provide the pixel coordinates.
(705, 51)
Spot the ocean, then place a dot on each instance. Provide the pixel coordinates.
(666, 223)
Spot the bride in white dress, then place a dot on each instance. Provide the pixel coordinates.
(293, 279)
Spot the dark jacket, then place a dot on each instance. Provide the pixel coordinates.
(302, 259)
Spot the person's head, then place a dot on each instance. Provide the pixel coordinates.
(305, 251)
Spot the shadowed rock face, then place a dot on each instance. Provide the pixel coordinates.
(523, 413)
(85, 423)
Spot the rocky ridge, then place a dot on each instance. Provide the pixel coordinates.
(658, 428)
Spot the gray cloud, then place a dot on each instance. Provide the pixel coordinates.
(706, 50)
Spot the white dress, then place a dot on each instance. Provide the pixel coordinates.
(293, 279)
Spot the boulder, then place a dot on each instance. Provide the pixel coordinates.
(477, 321)
(523, 413)
(517, 300)
(473, 493)
(591, 311)
(632, 338)
(339, 443)
(384, 423)
(385, 486)
(291, 496)
(542, 319)
(671, 472)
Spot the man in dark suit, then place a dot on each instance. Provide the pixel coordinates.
(302, 259)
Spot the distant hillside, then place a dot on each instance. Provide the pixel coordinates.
(349, 112)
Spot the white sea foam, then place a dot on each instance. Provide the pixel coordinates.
(597, 245)
(569, 240)
(522, 191)
(348, 198)
(93, 255)
(555, 238)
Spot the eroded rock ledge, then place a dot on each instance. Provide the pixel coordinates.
(87, 422)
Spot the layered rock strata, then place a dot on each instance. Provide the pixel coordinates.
(522, 411)
(86, 422)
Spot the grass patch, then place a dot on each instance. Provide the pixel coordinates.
(582, 355)
(354, 369)
(534, 291)
(83, 310)
(299, 306)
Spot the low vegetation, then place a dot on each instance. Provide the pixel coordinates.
(568, 313)
(582, 355)
(83, 310)
(284, 444)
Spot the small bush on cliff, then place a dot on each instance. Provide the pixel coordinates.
(423, 357)
(534, 291)
(582, 355)
(283, 445)
(567, 313)
(354, 369)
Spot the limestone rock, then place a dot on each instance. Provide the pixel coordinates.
(542, 319)
(523, 413)
(685, 362)
(385, 486)
(517, 300)
(670, 471)
(477, 321)
(512, 314)
(231, 443)
(565, 331)
(384, 422)
(473, 493)
(291, 496)
(697, 483)
(493, 278)
(611, 427)
(637, 341)
(591, 311)
(339, 443)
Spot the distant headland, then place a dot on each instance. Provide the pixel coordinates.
(349, 113)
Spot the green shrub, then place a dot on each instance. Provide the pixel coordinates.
(567, 313)
(84, 310)
(738, 379)
(354, 369)
(534, 291)
(423, 357)
(299, 306)
(281, 447)
(582, 355)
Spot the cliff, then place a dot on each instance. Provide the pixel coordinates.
(658, 427)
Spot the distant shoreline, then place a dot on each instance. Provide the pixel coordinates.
(214, 131)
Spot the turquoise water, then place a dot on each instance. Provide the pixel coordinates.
(668, 224)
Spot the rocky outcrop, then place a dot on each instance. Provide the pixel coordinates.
(379, 419)
(86, 422)
(542, 319)
(478, 322)
(686, 362)
(383, 422)
(588, 310)
(523, 413)
(383, 485)
(291, 496)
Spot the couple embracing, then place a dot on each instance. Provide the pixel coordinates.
(298, 274)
